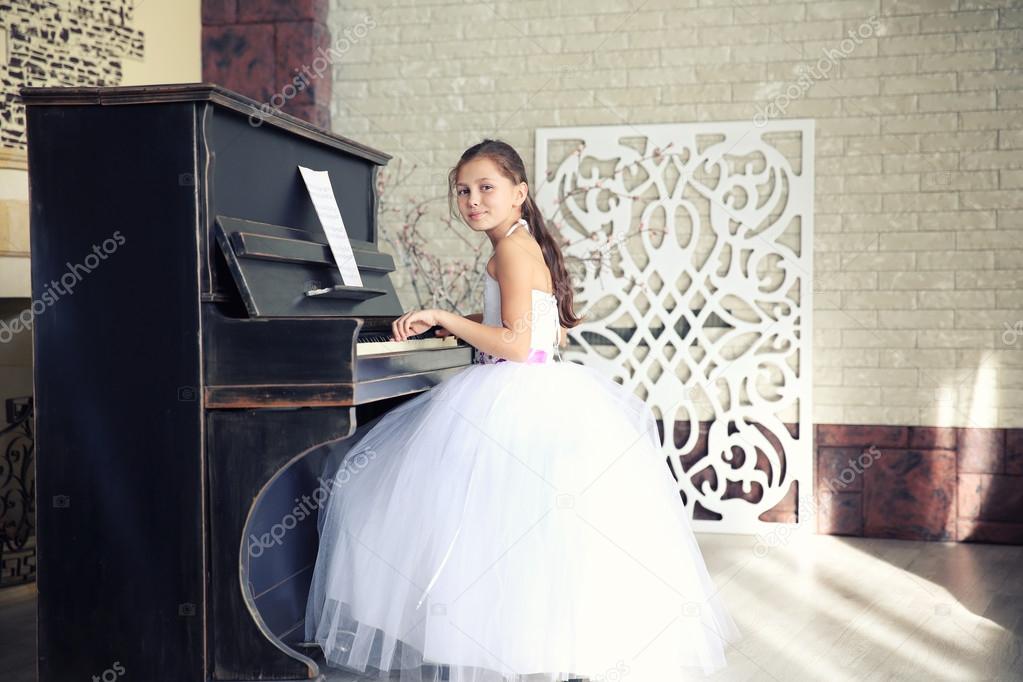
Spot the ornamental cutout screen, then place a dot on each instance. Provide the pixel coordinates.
(690, 250)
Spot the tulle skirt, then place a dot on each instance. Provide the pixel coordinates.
(515, 523)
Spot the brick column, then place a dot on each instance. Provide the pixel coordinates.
(274, 51)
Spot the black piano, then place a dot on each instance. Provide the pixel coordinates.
(197, 361)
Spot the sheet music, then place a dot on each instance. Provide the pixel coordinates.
(320, 191)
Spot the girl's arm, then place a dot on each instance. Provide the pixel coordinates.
(475, 317)
(499, 341)
(512, 340)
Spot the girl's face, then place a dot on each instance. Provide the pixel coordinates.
(486, 198)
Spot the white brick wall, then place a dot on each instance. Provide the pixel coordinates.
(919, 208)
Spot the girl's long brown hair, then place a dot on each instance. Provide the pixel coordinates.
(511, 166)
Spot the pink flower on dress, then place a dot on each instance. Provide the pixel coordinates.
(536, 356)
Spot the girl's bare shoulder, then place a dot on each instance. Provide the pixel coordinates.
(520, 256)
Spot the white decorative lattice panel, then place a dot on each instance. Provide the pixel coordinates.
(690, 247)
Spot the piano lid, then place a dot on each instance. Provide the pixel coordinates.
(190, 92)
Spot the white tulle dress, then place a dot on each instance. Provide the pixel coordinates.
(517, 522)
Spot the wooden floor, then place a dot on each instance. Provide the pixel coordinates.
(18, 632)
(814, 608)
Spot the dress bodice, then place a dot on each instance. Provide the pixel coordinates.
(546, 323)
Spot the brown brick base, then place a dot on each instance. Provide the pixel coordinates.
(920, 482)
(906, 482)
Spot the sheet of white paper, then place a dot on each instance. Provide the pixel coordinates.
(318, 184)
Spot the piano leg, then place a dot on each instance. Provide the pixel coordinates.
(262, 552)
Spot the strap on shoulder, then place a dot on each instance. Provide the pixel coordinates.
(520, 221)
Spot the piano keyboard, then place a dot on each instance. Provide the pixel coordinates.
(364, 348)
(378, 343)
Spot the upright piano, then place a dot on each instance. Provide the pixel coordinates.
(198, 360)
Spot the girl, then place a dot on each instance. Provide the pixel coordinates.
(516, 522)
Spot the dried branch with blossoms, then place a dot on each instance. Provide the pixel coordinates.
(450, 283)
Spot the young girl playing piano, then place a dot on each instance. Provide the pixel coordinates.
(518, 521)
